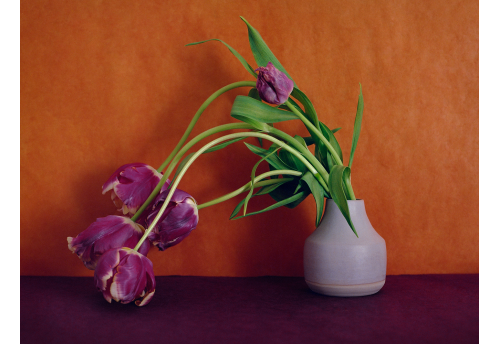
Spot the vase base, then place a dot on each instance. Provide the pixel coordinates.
(346, 290)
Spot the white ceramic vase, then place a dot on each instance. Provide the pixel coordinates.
(336, 262)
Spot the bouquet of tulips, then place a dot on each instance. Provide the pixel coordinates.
(156, 212)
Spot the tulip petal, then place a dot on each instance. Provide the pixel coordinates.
(129, 280)
(105, 269)
(131, 185)
(105, 234)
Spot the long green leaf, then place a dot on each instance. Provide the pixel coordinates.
(252, 179)
(273, 159)
(235, 53)
(357, 124)
(287, 201)
(331, 138)
(337, 191)
(289, 189)
(223, 145)
(262, 191)
(244, 106)
(291, 160)
(308, 106)
(309, 140)
(301, 140)
(261, 51)
(260, 126)
(318, 194)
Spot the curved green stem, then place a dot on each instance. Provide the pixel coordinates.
(298, 146)
(257, 184)
(177, 180)
(198, 114)
(179, 155)
(315, 130)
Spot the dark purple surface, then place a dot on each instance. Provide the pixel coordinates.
(408, 309)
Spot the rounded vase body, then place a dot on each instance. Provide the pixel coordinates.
(336, 262)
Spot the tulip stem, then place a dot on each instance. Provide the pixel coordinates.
(304, 151)
(338, 161)
(190, 144)
(257, 184)
(198, 114)
(311, 127)
(177, 180)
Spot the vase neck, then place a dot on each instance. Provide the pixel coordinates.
(356, 207)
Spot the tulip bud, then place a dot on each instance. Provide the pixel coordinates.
(177, 221)
(104, 234)
(273, 85)
(125, 275)
(131, 186)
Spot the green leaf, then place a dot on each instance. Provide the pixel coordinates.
(337, 175)
(261, 51)
(322, 153)
(223, 145)
(235, 53)
(262, 191)
(301, 140)
(310, 112)
(331, 138)
(253, 93)
(309, 140)
(292, 161)
(269, 188)
(244, 106)
(252, 179)
(284, 202)
(318, 194)
(357, 124)
(274, 160)
(289, 189)
(255, 124)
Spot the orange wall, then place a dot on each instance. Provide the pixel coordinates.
(104, 83)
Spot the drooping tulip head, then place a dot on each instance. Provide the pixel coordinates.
(125, 275)
(131, 186)
(104, 234)
(178, 220)
(273, 85)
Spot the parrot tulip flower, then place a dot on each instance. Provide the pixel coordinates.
(273, 85)
(104, 234)
(177, 221)
(125, 275)
(131, 186)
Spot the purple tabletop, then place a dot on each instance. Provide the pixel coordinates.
(408, 309)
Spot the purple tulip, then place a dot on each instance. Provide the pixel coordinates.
(125, 275)
(178, 220)
(273, 85)
(106, 233)
(131, 186)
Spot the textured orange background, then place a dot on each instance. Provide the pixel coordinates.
(104, 83)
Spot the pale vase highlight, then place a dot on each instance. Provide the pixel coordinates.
(336, 262)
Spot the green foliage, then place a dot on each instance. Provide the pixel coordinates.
(245, 107)
(335, 183)
(357, 124)
(261, 51)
